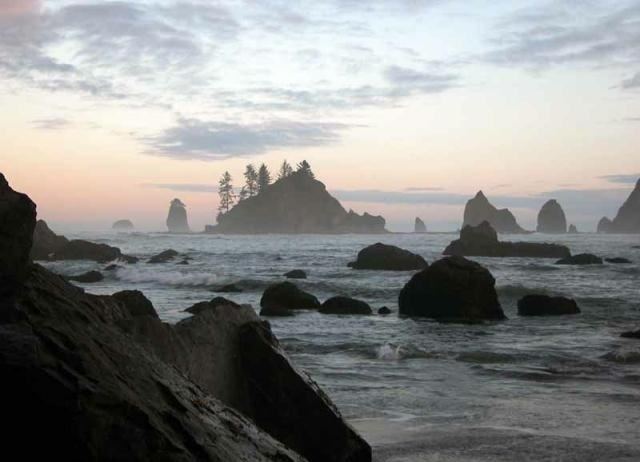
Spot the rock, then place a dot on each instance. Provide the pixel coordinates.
(419, 226)
(164, 256)
(573, 229)
(88, 278)
(631, 334)
(184, 261)
(296, 204)
(345, 305)
(627, 220)
(384, 311)
(229, 288)
(177, 219)
(618, 261)
(45, 242)
(286, 295)
(296, 274)
(605, 225)
(213, 304)
(551, 218)
(452, 289)
(482, 241)
(387, 257)
(544, 305)
(135, 303)
(479, 209)
(123, 225)
(276, 312)
(112, 267)
(580, 259)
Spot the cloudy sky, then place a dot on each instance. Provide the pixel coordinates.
(109, 109)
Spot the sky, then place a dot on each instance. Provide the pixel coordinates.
(404, 108)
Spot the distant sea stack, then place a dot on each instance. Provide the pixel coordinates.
(552, 219)
(419, 226)
(573, 229)
(177, 219)
(479, 209)
(123, 225)
(627, 221)
(297, 203)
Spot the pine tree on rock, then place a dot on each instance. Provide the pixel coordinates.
(225, 191)
(304, 167)
(264, 178)
(251, 180)
(285, 170)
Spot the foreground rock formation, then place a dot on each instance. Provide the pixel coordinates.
(479, 209)
(551, 218)
(482, 241)
(627, 221)
(544, 305)
(79, 381)
(419, 226)
(295, 204)
(387, 257)
(452, 289)
(123, 225)
(177, 219)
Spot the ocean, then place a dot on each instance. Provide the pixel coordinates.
(546, 388)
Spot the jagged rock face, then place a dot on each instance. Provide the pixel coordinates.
(123, 225)
(452, 289)
(419, 226)
(295, 204)
(387, 258)
(479, 209)
(627, 221)
(177, 219)
(17, 222)
(552, 219)
(605, 225)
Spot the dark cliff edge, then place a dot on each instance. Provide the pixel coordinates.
(627, 220)
(297, 204)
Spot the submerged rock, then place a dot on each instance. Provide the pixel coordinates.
(345, 305)
(286, 295)
(177, 219)
(229, 288)
(631, 334)
(581, 259)
(164, 256)
(123, 225)
(384, 311)
(482, 241)
(296, 274)
(552, 219)
(544, 305)
(618, 261)
(419, 226)
(387, 257)
(452, 289)
(88, 277)
(479, 209)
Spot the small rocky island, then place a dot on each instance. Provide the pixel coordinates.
(296, 203)
(627, 221)
(177, 219)
(419, 226)
(479, 209)
(552, 219)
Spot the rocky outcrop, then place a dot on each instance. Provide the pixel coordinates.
(345, 305)
(135, 303)
(295, 204)
(618, 261)
(581, 259)
(177, 219)
(164, 256)
(419, 226)
(479, 209)
(544, 305)
(452, 289)
(387, 257)
(123, 225)
(45, 242)
(551, 218)
(288, 296)
(572, 229)
(627, 220)
(482, 241)
(87, 278)
(296, 274)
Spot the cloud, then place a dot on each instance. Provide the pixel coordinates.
(54, 123)
(623, 178)
(632, 82)
(18, 7)
(406, 81)
(188, 187)
(422, 189)
(203, 140)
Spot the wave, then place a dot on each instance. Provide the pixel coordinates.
(168, 278)
(623, 356)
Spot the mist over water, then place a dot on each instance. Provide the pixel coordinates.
(398, 380)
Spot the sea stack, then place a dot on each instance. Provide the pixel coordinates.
(627, 221)
(573, 229)
(479, 209)
(552, 219)
(123, 225)
(419, 226)
(177, 219)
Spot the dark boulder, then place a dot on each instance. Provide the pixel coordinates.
(17, 223)
(452, 289)
(45, 242)
(387, 257)
(479, 209)
(177, 219)
(482, 241)
(286, 295)
(631, 334)
(384, 311)
(345, 305)
(228, 288)
(544, 305)
(618, 261)
(276, 312)
(419, 226)
(296, 274)
(87, 278)
(123, 225)
(551, 218)
(113, 267)
(581, 259)
(135, 303)
(211, 305)
(164, 256)
(85, 250)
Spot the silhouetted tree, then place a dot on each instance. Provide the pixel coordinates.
(285, 170)
(225, 191)
(264, 178)
(305, 168)
(251, 180)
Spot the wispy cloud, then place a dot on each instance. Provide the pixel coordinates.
(54, 123)
(621, 178)
(187, 187)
